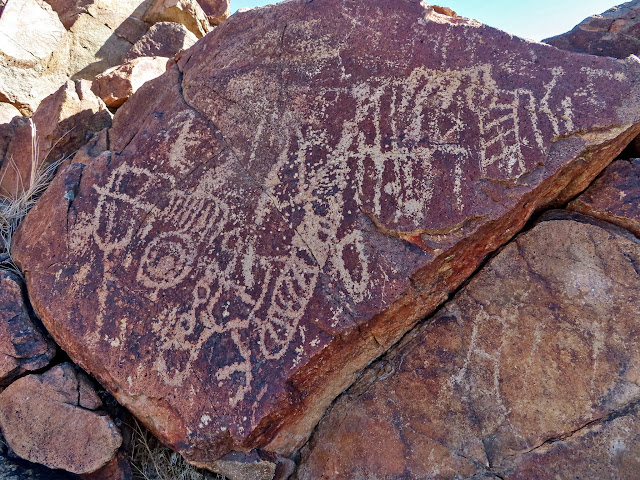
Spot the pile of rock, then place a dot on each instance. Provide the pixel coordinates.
(303, 245)
(109, 49)
(67, 66)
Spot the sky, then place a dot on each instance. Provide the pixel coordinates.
(534, 20)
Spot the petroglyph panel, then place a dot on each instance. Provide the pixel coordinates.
(286, 206)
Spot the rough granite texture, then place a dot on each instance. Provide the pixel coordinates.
(280, 208)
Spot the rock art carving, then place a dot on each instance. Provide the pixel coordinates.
(286, 203)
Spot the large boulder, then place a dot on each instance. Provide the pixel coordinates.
(282, 207)
(614, 33)
(63, 123)
(23, 344)
(53, 419)
(524, 370)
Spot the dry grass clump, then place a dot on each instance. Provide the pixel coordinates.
(153, 461)
(14, 209)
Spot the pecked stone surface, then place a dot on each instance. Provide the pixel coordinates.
(614, 33)
(310, 181)
(614, 196)
(541, 343)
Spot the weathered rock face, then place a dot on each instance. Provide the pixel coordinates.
(614, 33)
(117, 84)
(23, 345)
(543, 341)
(164, 39)
(51, 419)
(63, 123)
(317, 178)
(119, 468)
(614, 196)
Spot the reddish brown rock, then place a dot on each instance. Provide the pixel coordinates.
(240, 466)
(543, 341)
(23, 346)
(217, 10)
(614, 196)
(614, 33)
(119, 468)
(187, 12)
(317, 178)
(52, 419)
(63, 123)
(164, 39)
(117, 84)
(7, 132)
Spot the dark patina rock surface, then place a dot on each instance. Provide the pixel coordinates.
(23, 346)
(532, 368)
(312, 180)
(614, 33)
(614, 196)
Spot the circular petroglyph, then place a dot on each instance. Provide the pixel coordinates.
(167, 260)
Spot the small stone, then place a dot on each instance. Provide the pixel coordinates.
(242, 466)
(44, 421)
(69, 10)
(119, 468)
